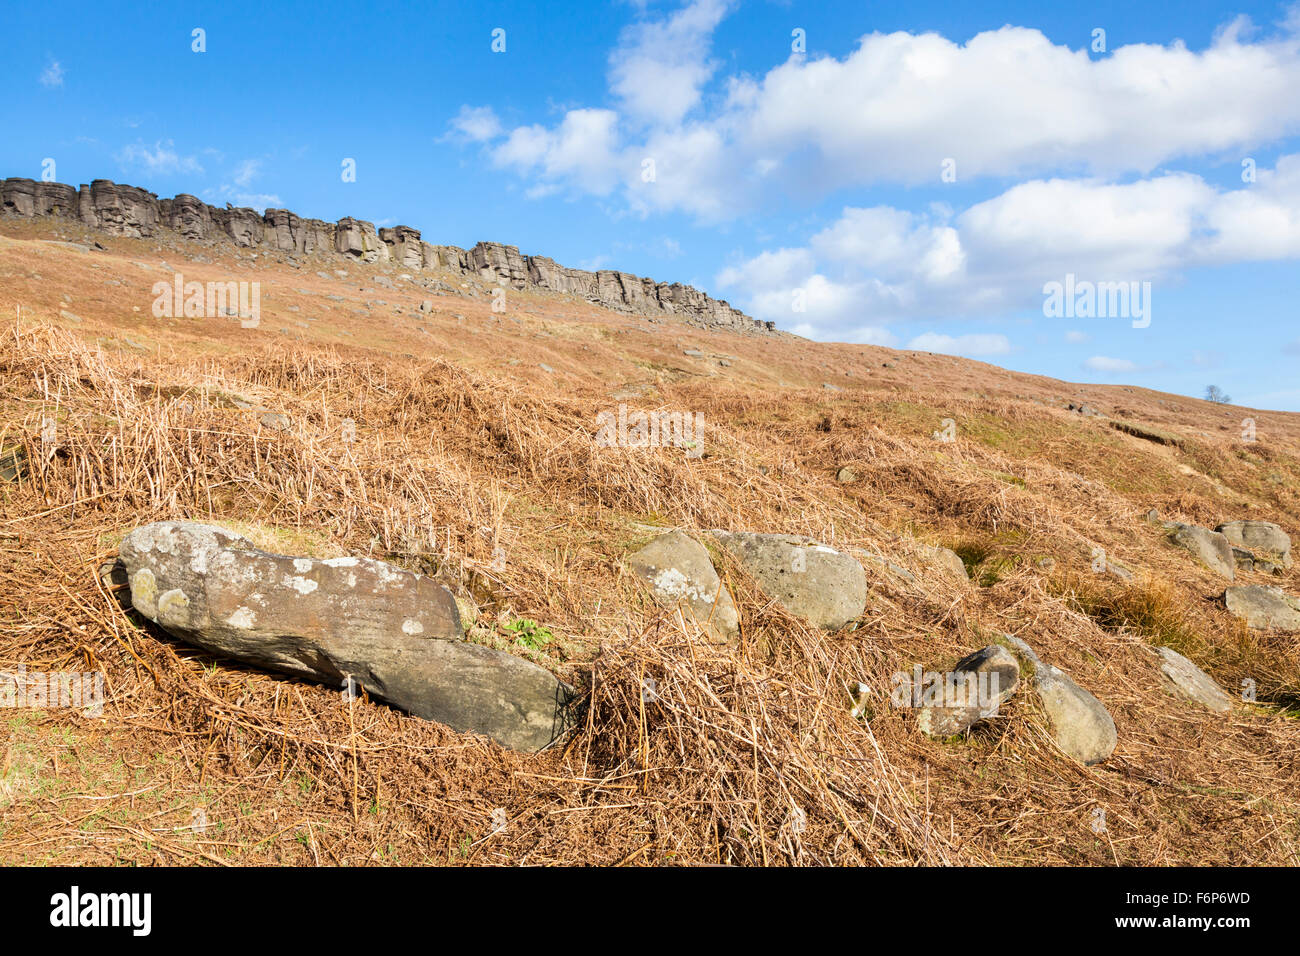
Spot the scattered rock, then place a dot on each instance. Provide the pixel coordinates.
(679, 572)
(13, 463)
(1184, 679)
(1263, 608)
(1258, 536)
(817, 583)
(396, 633)
(1210, 547)
(1080, 724)
(276, 421)
(1003, 681)
(846, 475)
(949, 562)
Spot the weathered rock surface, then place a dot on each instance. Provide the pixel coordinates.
(396, 633)
(130, 211)
(949, 562)
(1002, 682)
(1184, 679)
(1263, 608)
(817, 583)
(680, 574)
(1258, 536)
(1210, 547)
(1080, 724)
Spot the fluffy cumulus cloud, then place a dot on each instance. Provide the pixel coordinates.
(1006, 102)
(880, 265)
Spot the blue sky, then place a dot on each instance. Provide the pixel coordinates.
(692, 142)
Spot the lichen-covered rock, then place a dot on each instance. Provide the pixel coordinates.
(1210, 547)
(1263, 608)
(680, 574)
(825, 587)
(1184, 679)
(995, 675)
(396, 633)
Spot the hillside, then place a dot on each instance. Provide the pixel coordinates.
(382, 411)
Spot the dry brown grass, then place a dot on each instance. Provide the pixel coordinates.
(747, 755)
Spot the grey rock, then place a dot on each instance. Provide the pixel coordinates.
(1080, 724)
(949, 562)
(276, 421)
(1210, 547)
(680, 573)
(396, 633)
(825, 587)
(1002, 682)
(1258, 536)
(1263, 608)
(846, 475)
(1184, 679)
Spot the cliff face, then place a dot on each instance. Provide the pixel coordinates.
(137, 213)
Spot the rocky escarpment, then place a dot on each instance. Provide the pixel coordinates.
(134, 212)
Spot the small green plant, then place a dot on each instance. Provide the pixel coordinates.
(529, 634)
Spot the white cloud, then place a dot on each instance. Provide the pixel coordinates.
(1075, 337)
(476, 125)
(162, 158)
(247, 171)
(1006, 102)
(52, 75)
(660, 66)
(976, 344)
(883, 264)
(580, 150)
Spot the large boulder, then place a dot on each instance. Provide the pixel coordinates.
(1258, 536)
(1210, 547)
(825, 587)
(1184, 679)
(680, 574)
(1263, 608)
(1002, 680)
(396, 633)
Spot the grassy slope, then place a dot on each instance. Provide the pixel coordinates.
(466, 449)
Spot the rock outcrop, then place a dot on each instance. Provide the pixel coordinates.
(1257, 536)
(810, 580)
(396, 633)
(137, 213)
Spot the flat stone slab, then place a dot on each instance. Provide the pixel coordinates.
(996, 670)
(396, 633)
(1184, 679)
(825, 587)
(1263, 608)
